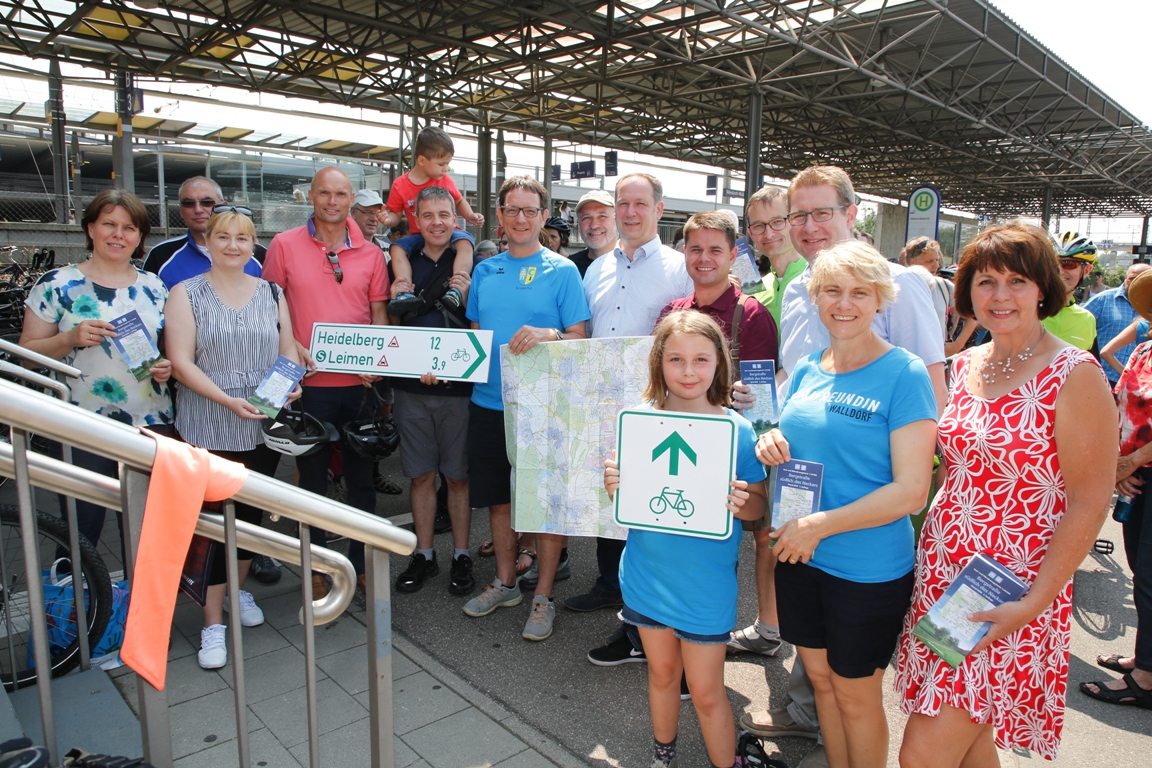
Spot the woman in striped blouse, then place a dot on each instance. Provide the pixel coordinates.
(225, 331)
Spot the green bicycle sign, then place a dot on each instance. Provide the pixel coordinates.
(669, 499)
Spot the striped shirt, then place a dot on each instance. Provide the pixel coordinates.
(626, 297)
(234, 348)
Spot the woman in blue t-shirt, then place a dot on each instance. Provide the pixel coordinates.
(865, 411)
(680, 591)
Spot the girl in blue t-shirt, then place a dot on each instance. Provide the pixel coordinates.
(685, 625)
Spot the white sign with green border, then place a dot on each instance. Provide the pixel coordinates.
(674, 472)
(395, 350)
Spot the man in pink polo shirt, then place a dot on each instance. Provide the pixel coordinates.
(331, 274)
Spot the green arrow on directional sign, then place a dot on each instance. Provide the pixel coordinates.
(675, 445)
(480, 356)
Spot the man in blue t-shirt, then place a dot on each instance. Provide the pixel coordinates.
(180, 258)
(525, 296)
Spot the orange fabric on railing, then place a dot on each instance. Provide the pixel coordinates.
(183, 478)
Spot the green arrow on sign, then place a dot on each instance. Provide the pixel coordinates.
(675, 445)
(479, 356)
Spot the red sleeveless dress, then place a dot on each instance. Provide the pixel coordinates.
(1004, 495)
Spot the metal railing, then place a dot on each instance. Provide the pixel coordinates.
(31, 412)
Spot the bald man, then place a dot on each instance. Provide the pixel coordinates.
(331, 274)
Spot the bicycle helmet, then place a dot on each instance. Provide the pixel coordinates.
(1074, 246)
(372, 439)
(297, 433)
(558, 224)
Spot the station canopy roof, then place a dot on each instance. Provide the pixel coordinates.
(901, 93)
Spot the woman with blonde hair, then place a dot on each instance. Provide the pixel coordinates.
(227, 329)
(865, 410)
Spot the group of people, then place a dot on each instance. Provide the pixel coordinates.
(859, 342)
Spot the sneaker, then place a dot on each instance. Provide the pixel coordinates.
(532, 576)
(617, 652)
(658, 763)
(494, 596)
(404, 303)
(593, 600)
(418, 570)
(443, 522)
(462, 582)
(264, 569)
(539, 625)
(685, 694)
(771, 723)
(213, 651)
(748, 640)
(452, 299)
(250, 613)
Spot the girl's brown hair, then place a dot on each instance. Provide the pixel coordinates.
(690, 323)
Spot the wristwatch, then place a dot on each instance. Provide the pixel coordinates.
(559, 334)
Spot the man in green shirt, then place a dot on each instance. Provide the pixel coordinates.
(1074, 324)
(768, 230)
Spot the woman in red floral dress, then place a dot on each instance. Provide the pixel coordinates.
(1028, 425)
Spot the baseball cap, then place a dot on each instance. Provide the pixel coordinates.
(366, 198)
(596, 196)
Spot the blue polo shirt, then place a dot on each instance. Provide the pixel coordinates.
(543, 290)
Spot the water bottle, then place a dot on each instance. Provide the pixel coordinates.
(1123, 509)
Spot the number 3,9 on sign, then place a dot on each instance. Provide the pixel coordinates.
(391, 350)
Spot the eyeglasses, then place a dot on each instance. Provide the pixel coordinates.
(207, 202)
(819, 215)
(1071, 264)
(225, 208)
(529, 213)
(776, 225)
(335, 262)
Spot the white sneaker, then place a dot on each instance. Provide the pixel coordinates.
(213, 651)
(250, 613)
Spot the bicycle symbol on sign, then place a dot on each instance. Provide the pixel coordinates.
(669, 499)
(461, 354)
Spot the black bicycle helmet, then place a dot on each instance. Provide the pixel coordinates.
(558, 224)
(372, 439)
(297, 433)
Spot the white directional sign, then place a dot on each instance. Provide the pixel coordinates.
(923, 213)
(674, 472)
(394, 350)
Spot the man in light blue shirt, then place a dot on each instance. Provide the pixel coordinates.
(1113, 314)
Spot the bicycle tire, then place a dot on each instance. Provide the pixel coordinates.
(658, 501)
(52, 534)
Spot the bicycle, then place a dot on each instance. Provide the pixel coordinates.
(17, 667)
(461, 354)
(669, 500)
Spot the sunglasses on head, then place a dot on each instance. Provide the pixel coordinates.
(225, 208)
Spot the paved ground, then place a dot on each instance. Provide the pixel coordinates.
(471, 692)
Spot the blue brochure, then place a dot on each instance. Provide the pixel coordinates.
(135, 345)
(982, 585)
(276, 385)
(760, 375)
(745, 268)
(795, 490)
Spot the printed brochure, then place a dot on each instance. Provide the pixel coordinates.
(135, 345)
(982, 585)
(276, 385)
(795, 490)
(760, 375)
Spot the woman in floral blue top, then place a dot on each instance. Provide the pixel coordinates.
(67, 317)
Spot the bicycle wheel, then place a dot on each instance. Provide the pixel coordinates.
(658, 505)
(15, 617)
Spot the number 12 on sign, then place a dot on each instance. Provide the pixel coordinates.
(674, 471)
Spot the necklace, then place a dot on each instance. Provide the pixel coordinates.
(988, 369)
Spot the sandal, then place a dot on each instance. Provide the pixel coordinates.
(488, 549)
(1133, 695)
(521, 570)
(1112, 662)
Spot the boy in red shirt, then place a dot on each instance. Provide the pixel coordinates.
(434, 151)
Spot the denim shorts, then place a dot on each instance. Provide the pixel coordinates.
(629, 616)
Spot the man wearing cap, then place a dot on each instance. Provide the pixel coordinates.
(180, 258)
(365, 205)
(1113, 312)
(626, 287)
(596, 218)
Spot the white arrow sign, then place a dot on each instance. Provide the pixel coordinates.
(394, 350)
(674, 472)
